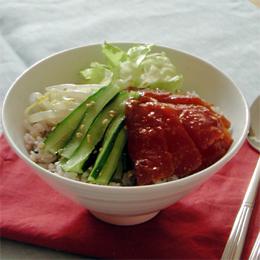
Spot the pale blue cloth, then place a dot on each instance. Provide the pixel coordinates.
(226, 33)
(223, 32)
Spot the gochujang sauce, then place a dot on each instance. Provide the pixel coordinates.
(173, 135)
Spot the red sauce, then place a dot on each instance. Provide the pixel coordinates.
(166, 97)
(173, 135)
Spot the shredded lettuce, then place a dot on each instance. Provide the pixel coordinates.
(97, 73)
(137, 67)
(113, 54)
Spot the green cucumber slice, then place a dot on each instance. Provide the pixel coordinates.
(100, 100)
(96, 132)
(111, 163)
(119, 171)
(107, 146)
(64, 130)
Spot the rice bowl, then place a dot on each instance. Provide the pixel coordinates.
(124, 205)
(69, 124)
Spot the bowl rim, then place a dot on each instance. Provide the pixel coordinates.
(217, 165)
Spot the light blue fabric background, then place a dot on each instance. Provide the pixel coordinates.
(225, 33)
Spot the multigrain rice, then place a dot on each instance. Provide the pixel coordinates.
(34, 143)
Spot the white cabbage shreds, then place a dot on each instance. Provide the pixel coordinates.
(57, 102)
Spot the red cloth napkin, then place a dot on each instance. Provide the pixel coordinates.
(195, 227)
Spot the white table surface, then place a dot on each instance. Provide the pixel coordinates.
(224, 32)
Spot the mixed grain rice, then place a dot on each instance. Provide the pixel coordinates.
(34, 143)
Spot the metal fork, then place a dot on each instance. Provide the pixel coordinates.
(255, 253)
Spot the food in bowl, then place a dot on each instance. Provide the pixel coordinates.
(130, 123)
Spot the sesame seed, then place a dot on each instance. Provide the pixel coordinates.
(81, 126)
(78, 134)
(89, 138)
(90, 104)
(105, 121)
(112, 113)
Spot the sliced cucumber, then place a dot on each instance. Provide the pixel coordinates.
(94, 135)
(94, 108)
(107, 146)
(96, 132)
(64, 130)
(111, 163)
(119, 171)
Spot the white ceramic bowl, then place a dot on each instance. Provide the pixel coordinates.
(124, 205)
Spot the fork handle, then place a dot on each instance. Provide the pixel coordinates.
(255, 253)
(237, 236)
(253, 185)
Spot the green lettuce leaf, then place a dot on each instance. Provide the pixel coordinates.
(97, 74)
(137, 67)
(113, 54)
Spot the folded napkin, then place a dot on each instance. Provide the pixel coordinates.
(195, 227)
